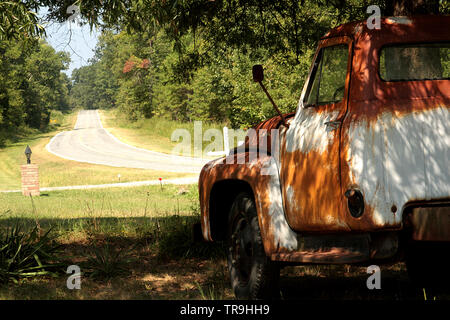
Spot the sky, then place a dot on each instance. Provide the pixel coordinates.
(78, 41)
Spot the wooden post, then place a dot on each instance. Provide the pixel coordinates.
(226, 142)
(30, 179)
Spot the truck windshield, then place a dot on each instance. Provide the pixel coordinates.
(423, 61)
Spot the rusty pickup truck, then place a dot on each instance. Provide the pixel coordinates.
(358, 174)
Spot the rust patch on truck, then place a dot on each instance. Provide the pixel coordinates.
(316, 181)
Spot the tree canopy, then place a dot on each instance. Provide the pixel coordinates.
(183, 59)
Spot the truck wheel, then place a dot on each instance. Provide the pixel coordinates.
(253, 275)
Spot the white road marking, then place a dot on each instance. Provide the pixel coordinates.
(177, 181)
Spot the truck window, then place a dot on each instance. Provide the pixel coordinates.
(423, 61)
(329, 75)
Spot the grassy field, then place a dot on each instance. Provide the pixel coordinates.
(131, 243)
(101, 203)
(55, 171)
(155, 133)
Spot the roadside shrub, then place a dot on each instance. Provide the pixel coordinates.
(107, 262)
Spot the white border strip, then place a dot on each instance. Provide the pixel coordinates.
(177, 181)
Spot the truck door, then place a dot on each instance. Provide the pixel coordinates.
(310, 153)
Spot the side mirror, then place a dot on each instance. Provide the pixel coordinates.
(258, 73)
(258, 76)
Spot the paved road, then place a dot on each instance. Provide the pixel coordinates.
(90, 142)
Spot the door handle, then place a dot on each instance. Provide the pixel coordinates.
(333, 124)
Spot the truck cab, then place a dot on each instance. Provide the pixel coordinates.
(358, 174)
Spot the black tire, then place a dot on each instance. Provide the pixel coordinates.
(428, 265)
(253, 275)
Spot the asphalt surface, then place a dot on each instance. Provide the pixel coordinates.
(90, 142)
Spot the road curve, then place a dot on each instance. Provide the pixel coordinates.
(90, 142)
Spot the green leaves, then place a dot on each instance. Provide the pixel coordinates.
(31, 85)
(17, 21)
(107, 262)
(200, 54)
(25, 254)
(45, 89)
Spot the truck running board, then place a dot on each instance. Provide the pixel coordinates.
(328, 249)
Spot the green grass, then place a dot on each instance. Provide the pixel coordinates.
(117, 203)
(164, 215)
(130, 243)
(78, 215)
(155, 133)
(55, 171)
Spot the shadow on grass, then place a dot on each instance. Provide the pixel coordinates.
(164, 262)
(7, 138)
(334, 283)
(26, 134)
(125, 258)
(147, 279)
(172, 236)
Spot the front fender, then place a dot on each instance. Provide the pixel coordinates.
(262, 175)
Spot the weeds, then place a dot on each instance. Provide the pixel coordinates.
(25, 254)
(215, 285)
(210, 293)
(107, 262)
(175, 240)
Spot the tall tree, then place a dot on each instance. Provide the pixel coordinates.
(31, 84)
